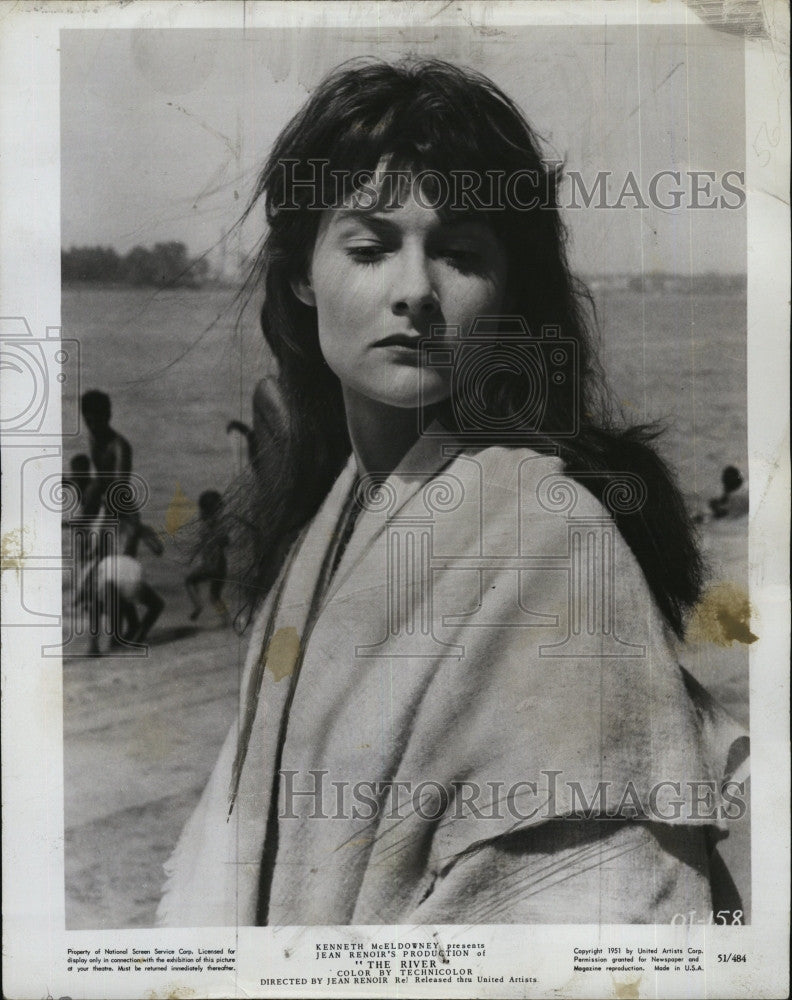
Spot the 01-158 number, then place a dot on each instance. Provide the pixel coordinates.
(733, 918)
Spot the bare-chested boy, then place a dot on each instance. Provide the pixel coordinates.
(111, 456)
(111, 453)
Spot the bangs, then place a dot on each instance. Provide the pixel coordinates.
(453, 133)
(418, 130)
(394, 180)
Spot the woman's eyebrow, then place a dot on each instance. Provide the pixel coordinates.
(371, 219)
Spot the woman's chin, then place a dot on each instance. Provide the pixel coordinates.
(412, 393)
(413, 401)
(400, 393)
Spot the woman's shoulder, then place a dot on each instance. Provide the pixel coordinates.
(520, 505)
(539, 483)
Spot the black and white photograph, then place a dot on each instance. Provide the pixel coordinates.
(396, 502)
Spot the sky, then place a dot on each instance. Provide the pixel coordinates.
(163, 131)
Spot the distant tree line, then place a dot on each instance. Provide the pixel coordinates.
(709, 281)
(166, 265)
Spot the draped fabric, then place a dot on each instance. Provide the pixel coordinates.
(470, 712)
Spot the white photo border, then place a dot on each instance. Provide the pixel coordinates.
(35, 941)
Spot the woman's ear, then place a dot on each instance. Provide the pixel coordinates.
(303, 289)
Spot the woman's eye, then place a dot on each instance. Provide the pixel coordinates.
(463, 259)
(368, 253)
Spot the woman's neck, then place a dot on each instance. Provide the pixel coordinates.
(381, 435)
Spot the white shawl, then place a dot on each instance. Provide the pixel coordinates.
(486, 624)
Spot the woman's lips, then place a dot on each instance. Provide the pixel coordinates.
(404, 349)
(400, 340)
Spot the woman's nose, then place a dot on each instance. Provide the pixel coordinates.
(413, 293)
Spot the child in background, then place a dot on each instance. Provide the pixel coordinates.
(120, 577)
(727, 504)
(80, 479)
(212, 566)
(78, 503)
(111, 453)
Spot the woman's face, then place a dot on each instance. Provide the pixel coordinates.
(382, 278)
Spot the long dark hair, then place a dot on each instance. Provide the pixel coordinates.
(428, 115)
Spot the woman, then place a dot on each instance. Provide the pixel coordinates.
(462, 702)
